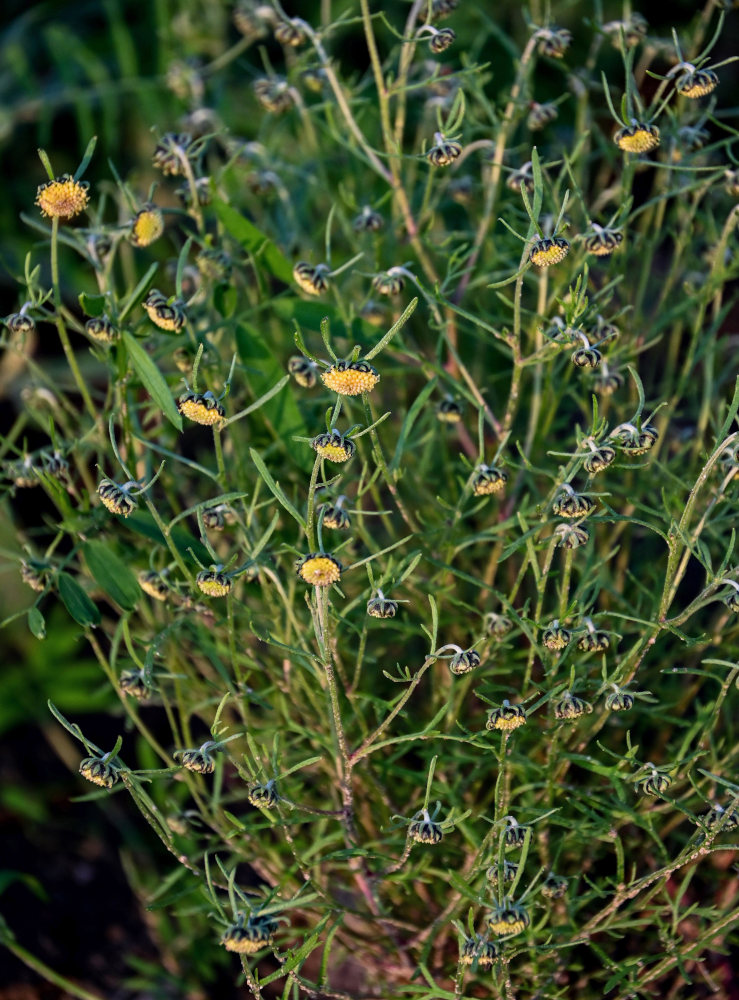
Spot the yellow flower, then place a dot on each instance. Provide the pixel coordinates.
(546, 252)
(350, 378)
(147, 225)
(638, 138)
(333, 446)
(201, 408)
(62, 198)
(213, 583)
(320, 569)
(313, 280)
(154, 585)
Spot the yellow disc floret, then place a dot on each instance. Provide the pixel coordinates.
(62, 198)
(320, 569)
(350, 378)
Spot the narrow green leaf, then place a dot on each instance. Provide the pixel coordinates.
(112, 574)
(76, 601)
(152, 379)
(275, 488)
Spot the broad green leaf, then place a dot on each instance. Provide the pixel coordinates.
(254, 240)
(225, 298)
(152, 379)
(76, 601)
(112, 574)
(92, 305)
(36, 623)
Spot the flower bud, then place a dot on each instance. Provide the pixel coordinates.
(262, 796)
(381, 607)
(197, 760)
(586, 357)
(568, 707)
(449, 411)
(154, 584)
(599, 459)
(555, 636)
(572, 505)
(619, 701)
(201, 408)
(424, 830)
(637, 138)
(488, 479)
(697, 83)
(99, 772)
(312, 279)
(506, 718)
(303, 371)
(507, 919)
(441, 40)
(554, 886)
(464, 661)
(249, 938)
(116, 498)
(510, 870)
(132, 682)
(214, 583)
(333, 446)
(571, 536)
(497, 626)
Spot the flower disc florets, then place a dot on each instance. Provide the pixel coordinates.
(443, 152)
(603, 242)
(333, 446)
(274, 95)
(289, 34)
(510, 870)
(449, 411)
(147, 225)
(133, 683)
(101, 329)
(697, 83)
(608, 382)
(320, 569)
(202, 408)
(506, 718)
(555, 636)
(554, 886)
(488, 479)
(154, 584)
(214, 583)
(568, 707)
(350, 378)
(637, 138)
(619, 701)
(389, 282)
(262, 796)
(586, 357)
(368, 221)
(164, 314)
(381, 607)
(99, 772)
(21, 323)
(423, 830)
(170, 151)
(197, 759)
(507, 919)
(464, 661)
(571, 504)
(116, 498)
(441, 40)
(554, 42)
(655, 783)
(62, 198)
(313, 279)
(599, 459)
(303, 371)
(596, 641)
(334, 517)
(497, 625)
(549, 251)
(635, 442)
(540, 115)
(249, 938)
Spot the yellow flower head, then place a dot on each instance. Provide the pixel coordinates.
(98, 772)
(333, 446)
(250, 938)
(320, 569)
(202, 408)
(154, 585)
(488, 480)
(602, 242)
(697, 84)
(508, 919)
(350, 378)
(147, 225)
(637, 138)
(506, 718)
(101, 329)
(165, 315)
(546, 252)
(62, 198)
(116, 498)
(312, 280)
(214, 583)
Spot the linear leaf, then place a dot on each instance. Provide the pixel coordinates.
(152, 379)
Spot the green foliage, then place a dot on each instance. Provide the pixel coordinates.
(483, 738)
